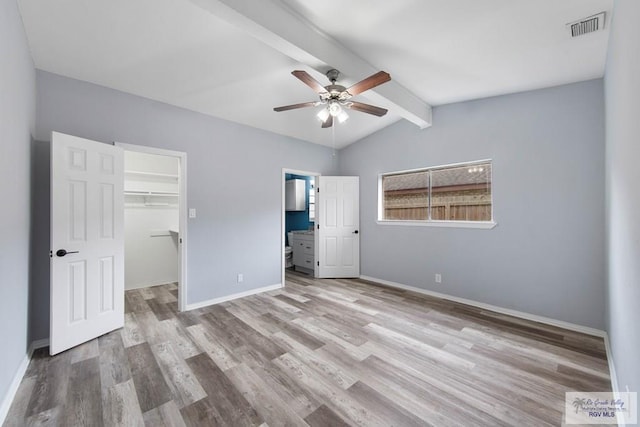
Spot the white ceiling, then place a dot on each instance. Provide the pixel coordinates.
(232, 58)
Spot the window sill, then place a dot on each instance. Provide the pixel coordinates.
(451, 224)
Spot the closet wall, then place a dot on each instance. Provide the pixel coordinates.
(150, 219)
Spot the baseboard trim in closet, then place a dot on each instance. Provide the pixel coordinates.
(515, 313)
(233, 296)
(35, 345)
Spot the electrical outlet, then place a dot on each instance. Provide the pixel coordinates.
(192, 212)
(438, 278)
(240, 277)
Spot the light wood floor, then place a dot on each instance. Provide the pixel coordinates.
(319, 353)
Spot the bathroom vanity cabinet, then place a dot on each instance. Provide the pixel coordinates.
(303, 252)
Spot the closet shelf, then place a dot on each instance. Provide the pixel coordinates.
(152, 193)
(152, 174)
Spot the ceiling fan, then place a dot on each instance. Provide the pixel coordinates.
(337, 97)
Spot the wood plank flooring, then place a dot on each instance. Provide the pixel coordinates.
(317, 353)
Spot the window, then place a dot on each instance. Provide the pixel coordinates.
(454, 193)
(312, 199)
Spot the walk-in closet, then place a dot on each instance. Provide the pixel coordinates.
(151, 219)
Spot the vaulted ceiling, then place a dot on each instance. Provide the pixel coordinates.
(233, 58)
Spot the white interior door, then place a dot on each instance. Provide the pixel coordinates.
(338, 217)
(87, 240)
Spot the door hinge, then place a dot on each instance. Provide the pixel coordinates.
(318, 225)
(50, 254)
(181, 240)
(318, 263)
(317, 189)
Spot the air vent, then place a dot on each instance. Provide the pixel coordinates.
(587, 25)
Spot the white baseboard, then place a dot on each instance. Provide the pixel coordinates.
(13, 388)
(35, 345)
(233, 296)
(612, 368)
(149, 285)
(17, 378)
(614, 378)
(521, 314)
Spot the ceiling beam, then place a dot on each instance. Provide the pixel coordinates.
(278, 26)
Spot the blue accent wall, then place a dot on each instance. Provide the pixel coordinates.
(298, 220)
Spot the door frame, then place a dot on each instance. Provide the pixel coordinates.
(283, 215)
(182, 212)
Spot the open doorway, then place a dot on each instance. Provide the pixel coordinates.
(298, 221)
(155, 219)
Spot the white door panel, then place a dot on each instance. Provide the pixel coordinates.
(87, 283)
(338, 217)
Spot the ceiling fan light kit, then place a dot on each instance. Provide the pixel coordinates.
(336, 98)
(323, 115)
(334, 108)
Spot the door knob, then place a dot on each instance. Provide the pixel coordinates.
(355, 232)
(63, 252)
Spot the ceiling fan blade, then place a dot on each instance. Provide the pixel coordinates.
(294, 106)
(369, 83)
(309, 81)
(369, 109)
(328, 123)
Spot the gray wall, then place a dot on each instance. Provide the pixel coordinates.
(17, 117)
(622, 88)
(234, 180)
(546, 256)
